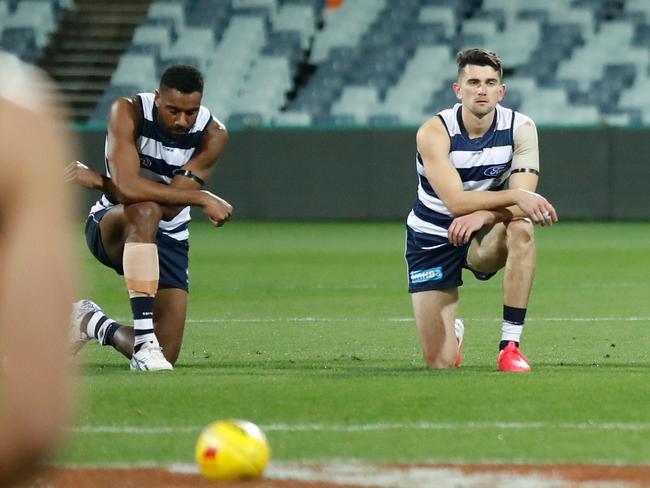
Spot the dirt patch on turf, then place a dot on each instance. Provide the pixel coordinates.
(153, 478)
(356, 475)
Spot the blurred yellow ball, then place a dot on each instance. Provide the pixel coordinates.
(231, 450)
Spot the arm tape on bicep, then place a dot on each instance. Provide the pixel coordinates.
(525, 170)
(526, 151)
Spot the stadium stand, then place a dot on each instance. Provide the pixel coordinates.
(84, 48)
(367, 62)
(26, 26)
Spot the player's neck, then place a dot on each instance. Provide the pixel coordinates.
(477, 126)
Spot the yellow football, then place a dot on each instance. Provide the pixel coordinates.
(231, 450)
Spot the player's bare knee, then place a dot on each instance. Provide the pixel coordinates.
(170, 344)
(143, 219)
(145, 212)
(520, 233)
(438, 362)
(171, 353)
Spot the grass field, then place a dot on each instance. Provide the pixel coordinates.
(306, 329)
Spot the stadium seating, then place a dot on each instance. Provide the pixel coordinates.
(100, 114)
(4, 12)
(156, 35)
(296, 62)
(168, 10)
(138, 70)
(25, 26)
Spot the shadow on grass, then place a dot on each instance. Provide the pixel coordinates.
(641, 366)
(334, 367)
(347, 367)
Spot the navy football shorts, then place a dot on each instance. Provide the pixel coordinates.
(172, 254)
(434, 263)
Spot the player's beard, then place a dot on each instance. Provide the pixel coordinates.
(176, 133)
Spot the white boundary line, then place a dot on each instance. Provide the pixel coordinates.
(548, 319)
(427, 426)
(262, 320)
(275, 320)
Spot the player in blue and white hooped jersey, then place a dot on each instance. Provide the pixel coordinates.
(478, 166)
(160, 149)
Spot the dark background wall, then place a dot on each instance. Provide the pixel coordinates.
(369, 174)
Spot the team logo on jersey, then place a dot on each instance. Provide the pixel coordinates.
(144, 162)
(494, 171)
(423, 275)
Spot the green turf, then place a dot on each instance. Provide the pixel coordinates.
(306, 329)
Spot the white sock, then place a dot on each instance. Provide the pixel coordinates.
(511, 332)
(98, 325)
(144, 332)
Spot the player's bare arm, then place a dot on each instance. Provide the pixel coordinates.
(36, 371)
(433, 145)
(194, 173)
(199, 169)
(213, 142)
(124, 163)
(77, 172)
(525, 170)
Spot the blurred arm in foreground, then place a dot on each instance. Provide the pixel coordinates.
(36, 278)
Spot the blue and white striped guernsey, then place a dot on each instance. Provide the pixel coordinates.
(483, 164)
(160, 156)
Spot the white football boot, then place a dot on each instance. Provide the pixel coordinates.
(80, 309)
(150, 358)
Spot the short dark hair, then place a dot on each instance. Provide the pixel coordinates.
(479, 57)
(182, 77)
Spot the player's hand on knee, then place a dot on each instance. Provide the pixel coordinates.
(461, 229)
(217, 209)
(538, 208)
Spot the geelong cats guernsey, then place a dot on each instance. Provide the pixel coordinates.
(160, 155)
(483, 164)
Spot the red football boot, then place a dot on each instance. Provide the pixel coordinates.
(512, 360)
(459, 326)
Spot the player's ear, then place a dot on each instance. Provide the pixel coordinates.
(156, 98)
(456, 88)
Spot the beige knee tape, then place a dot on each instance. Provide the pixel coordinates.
(140, 263)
